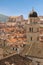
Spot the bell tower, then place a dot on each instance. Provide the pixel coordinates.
(32, 28)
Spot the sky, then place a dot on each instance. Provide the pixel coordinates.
(20, 7)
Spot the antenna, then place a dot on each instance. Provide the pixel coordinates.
(32, 9)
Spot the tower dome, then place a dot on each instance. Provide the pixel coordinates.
(33, 14)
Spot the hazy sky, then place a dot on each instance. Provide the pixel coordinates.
(20, 7)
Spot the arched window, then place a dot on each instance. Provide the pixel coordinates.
(30, 29)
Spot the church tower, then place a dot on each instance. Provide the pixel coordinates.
(32, 28)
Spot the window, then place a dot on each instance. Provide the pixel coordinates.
(38, 63)
(31, 38)
(37, 38)
(31, 29)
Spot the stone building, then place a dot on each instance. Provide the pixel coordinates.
(14, 20)
(34, 48)
(32, 28)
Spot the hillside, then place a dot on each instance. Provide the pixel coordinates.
(3, 18)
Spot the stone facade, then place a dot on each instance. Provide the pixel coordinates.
(32, 30)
